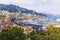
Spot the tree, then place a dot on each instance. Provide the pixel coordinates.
(12, 33)
(36, 36)
(53, 33)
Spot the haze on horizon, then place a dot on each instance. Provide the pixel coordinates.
(45, 6)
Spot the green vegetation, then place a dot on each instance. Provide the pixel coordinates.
(12, 33)
(53, 33)
(16, 33)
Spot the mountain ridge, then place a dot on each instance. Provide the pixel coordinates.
(15, 8)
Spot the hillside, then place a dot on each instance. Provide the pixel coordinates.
(18, 14)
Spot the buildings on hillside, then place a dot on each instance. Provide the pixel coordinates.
(26, 19)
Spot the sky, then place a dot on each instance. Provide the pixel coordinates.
(42, 6)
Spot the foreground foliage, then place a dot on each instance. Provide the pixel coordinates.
(52, 33)
(16, 33)
(12, 33)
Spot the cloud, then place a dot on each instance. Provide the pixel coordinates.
(26, 2)
(55, 1)
(52, 9)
